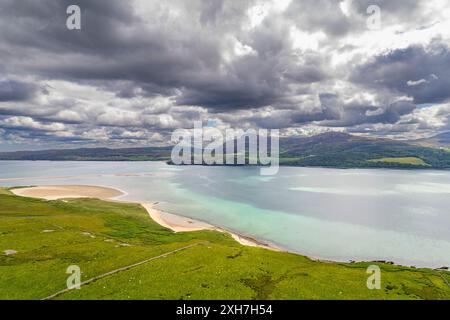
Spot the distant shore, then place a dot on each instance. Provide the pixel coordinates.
(170, 221)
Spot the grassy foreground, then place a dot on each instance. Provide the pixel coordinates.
(101, 236)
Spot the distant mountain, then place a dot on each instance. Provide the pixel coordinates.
(440, 140)
(348, 151)
(332, 149)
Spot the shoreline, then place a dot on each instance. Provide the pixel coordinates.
(171, 221)
(174, 222)
(393, 168)
(179, 223)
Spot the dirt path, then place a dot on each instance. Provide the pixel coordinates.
(445, 280)
(125, 268)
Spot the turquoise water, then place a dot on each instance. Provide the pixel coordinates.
(402, 216)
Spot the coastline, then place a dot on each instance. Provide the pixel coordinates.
(178, 223)
(174, 222)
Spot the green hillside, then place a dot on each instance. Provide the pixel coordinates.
(346, 151)
(45, 237)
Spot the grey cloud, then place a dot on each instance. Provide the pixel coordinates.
(397, 8)
(357, 114)
(187, 54)
(313, 69)
(210, 12)
(330, 109)
(11, 90)
(421, 73)
(185, 58)
(329, 19)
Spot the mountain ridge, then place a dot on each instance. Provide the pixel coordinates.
(329, 149)
(440, 140)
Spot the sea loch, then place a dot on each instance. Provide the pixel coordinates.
(333, 214)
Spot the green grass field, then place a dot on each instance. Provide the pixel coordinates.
(406, 160)
(101, 236)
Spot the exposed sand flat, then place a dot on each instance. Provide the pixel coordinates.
(72, 191)
(131, 174)
(49, 177)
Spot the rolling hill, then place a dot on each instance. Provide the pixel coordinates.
(332, 149)
(348, 151)
(92, 154)
(441, 140)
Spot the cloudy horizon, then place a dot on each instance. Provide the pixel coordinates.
(138, 70)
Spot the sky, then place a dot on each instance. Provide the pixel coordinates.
(139, 69)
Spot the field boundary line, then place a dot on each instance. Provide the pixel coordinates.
(125, 269)
(445, 280)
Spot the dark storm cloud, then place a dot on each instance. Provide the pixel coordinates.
(334, 113)
(115, 44)
(103, 50)
(312, 70)
(419, 72)
(43, 25)
(11, 90)
(208, 59)
(330, 109)
(356, 114)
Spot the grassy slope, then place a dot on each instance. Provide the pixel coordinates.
(346, 151)
(101, 236)
(406, 160)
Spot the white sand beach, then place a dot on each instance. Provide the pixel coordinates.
(170, 221)
(174, 222)
(182, 224)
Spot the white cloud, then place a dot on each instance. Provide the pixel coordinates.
(30, 123)
(412, 83)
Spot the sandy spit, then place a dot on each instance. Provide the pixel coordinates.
(72, 191)
(170, 221)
